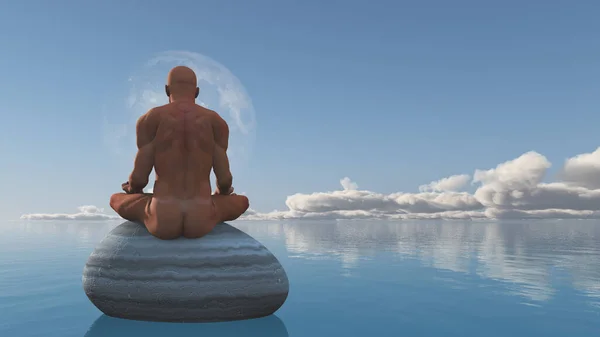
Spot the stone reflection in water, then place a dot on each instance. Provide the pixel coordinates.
(271, 326)
(524, 254)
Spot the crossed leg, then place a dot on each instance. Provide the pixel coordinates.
(230, 207)
(168, 223)
(201, 220)
(132, 207)
(137, 207)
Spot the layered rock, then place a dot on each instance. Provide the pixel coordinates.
(225, 275)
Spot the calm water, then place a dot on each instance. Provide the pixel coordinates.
(351, 278)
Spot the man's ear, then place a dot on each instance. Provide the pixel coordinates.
(197, 92)
(167, 91)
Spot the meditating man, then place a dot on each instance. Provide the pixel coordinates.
(182, 141)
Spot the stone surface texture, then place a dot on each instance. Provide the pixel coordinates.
(223, 276)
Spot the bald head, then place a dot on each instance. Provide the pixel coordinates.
(182, 83)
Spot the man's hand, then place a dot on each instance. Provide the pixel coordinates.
(218, 192)
(128, 189)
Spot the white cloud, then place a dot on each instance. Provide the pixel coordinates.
(348, 185)
(351, 203)
(513, 189)
(583, 170)
(451, 184)
(88, 212)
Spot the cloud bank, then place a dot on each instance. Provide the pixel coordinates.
(88, 212)
(512, 190)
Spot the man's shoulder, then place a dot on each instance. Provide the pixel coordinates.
(150, 120)
(206, 110)
(158, 109)
(154, 114)
(214, 116)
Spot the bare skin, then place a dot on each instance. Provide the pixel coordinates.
(183, 142)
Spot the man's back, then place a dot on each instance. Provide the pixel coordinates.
(184, 147)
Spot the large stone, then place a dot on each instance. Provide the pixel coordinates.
(225, 275)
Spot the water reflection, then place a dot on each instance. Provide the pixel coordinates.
(105, 326)
(527, 255)
(47, 231)
(533, 258)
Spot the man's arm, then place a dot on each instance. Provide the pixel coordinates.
(144, 160)
(220, 159)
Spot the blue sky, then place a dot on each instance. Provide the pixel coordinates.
(391, 94)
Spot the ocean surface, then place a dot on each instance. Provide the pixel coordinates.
(350, 278)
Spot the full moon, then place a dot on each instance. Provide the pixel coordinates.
(220, 91)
